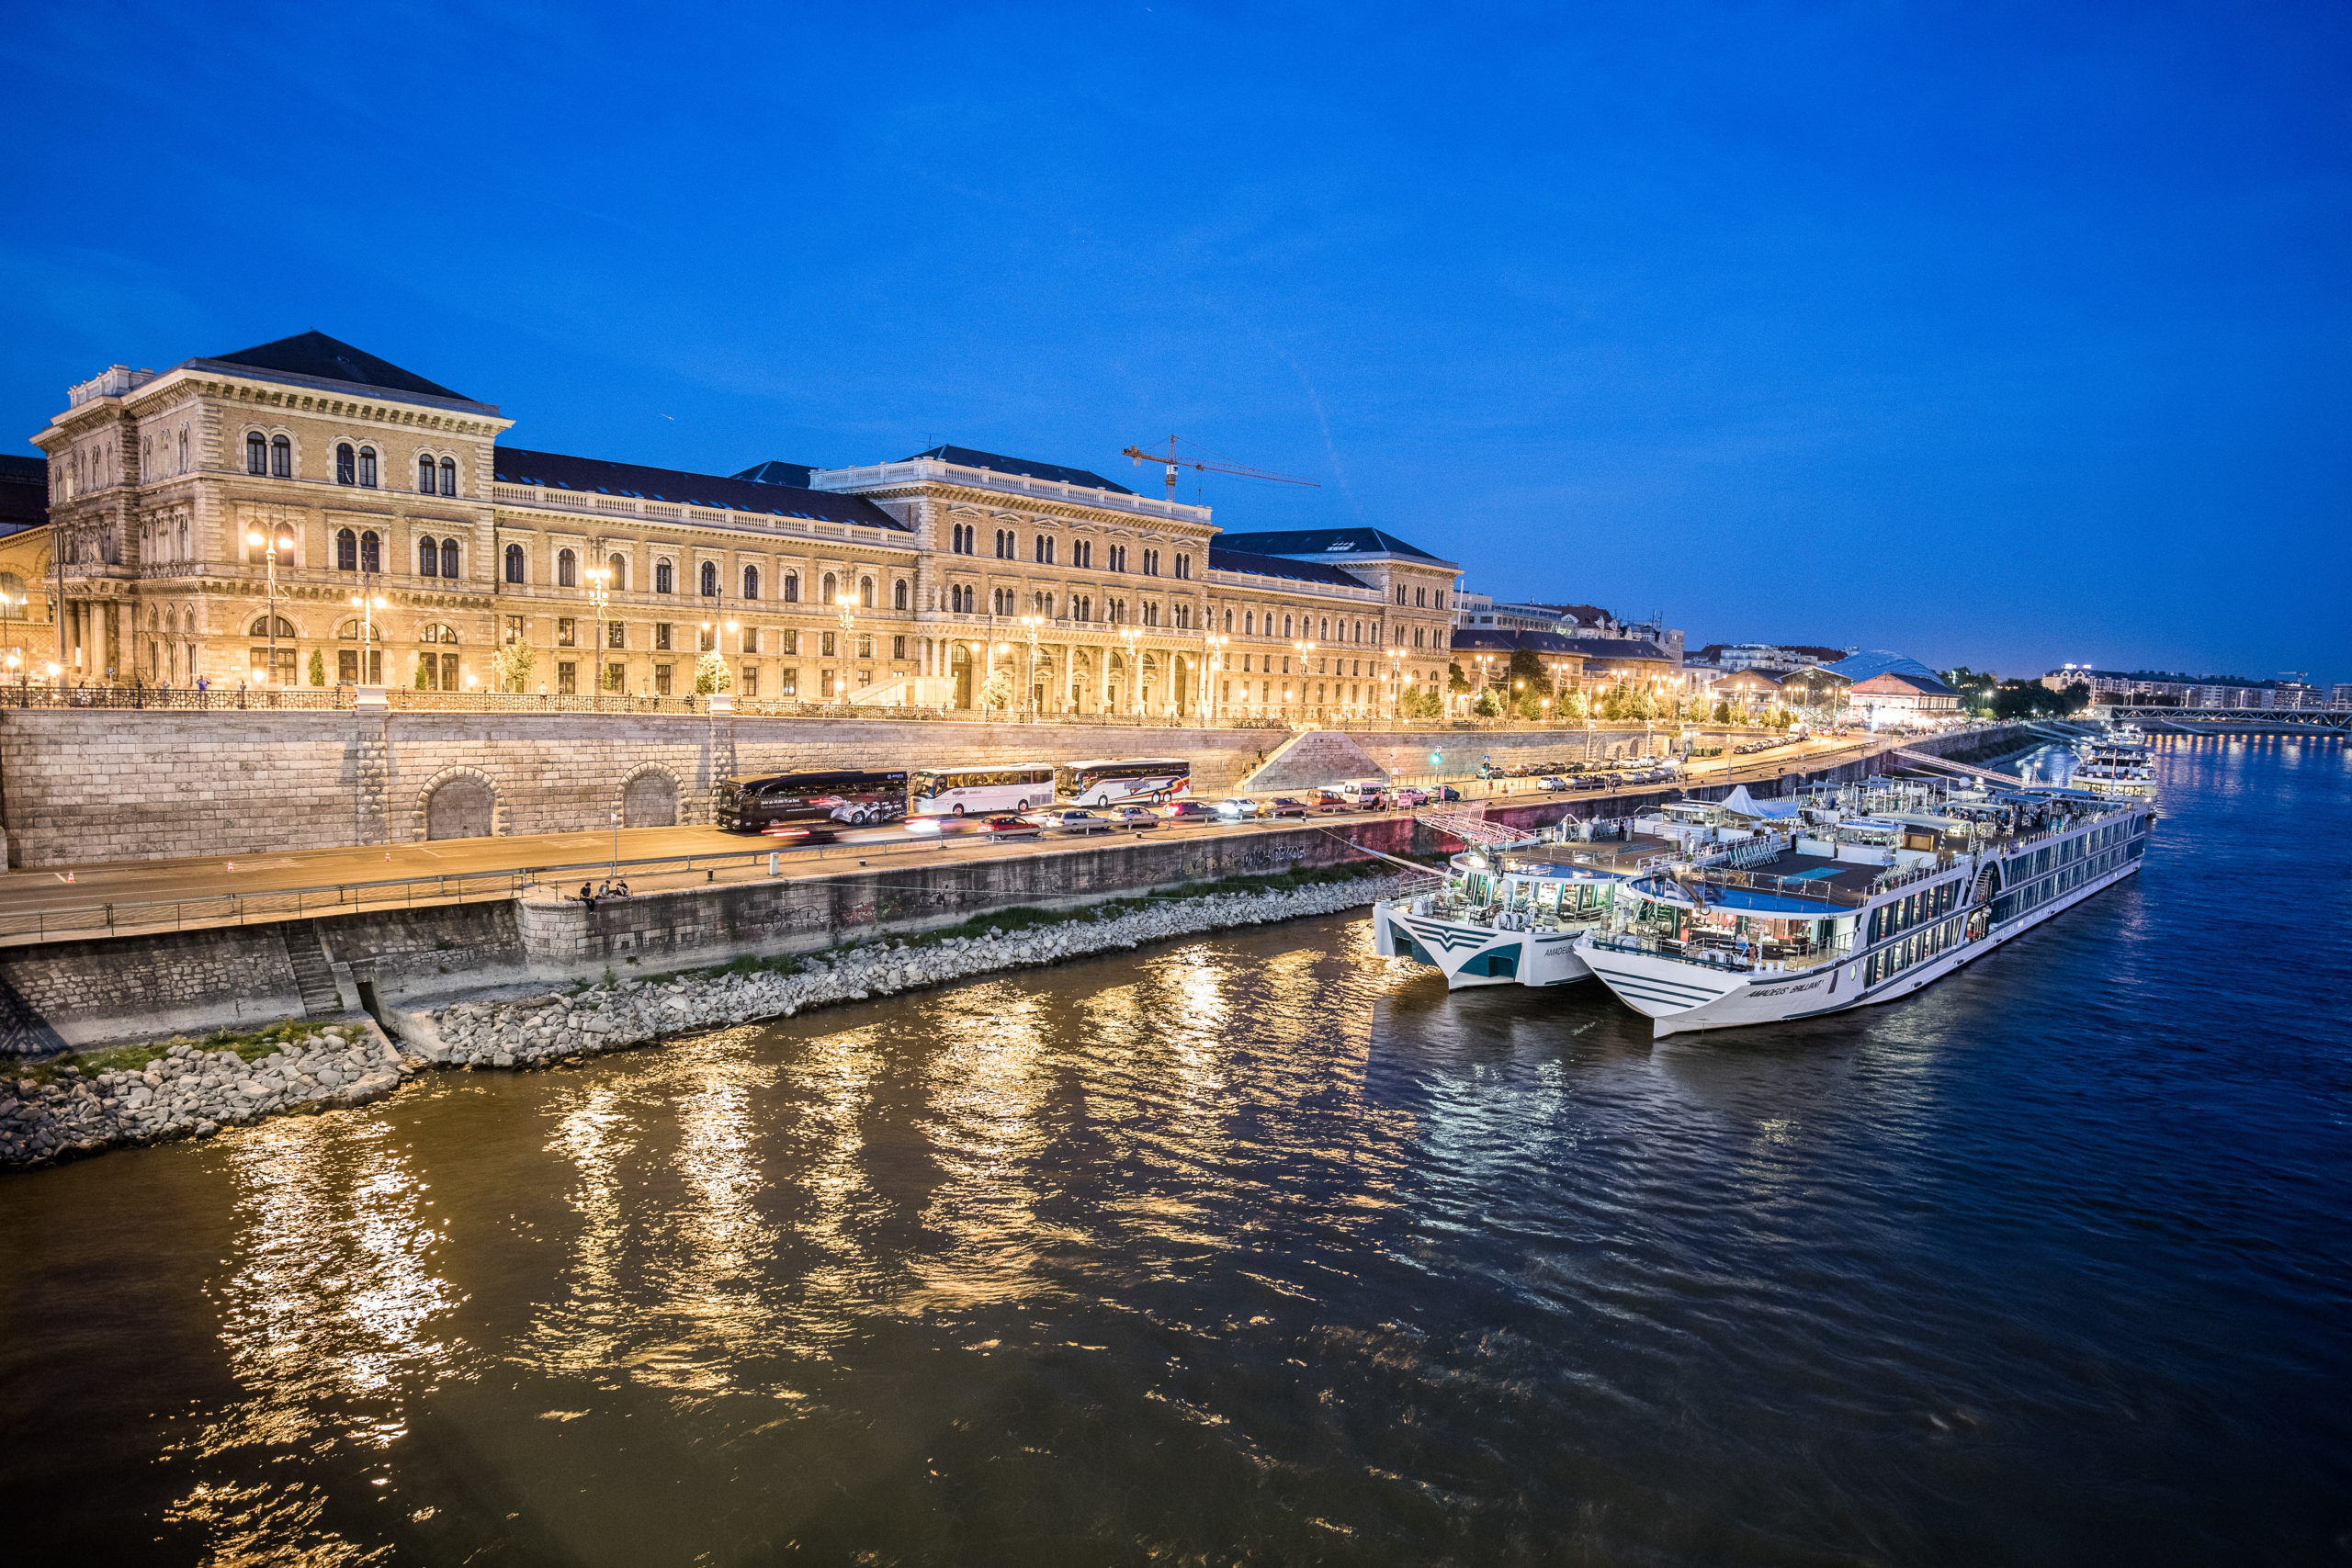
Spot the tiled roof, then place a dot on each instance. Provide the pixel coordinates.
(315, 355)
(774, 473)
(553, 470)
(964, 457)
(1223, 559)
(1328, 542)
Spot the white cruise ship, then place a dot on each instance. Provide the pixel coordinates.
(2118, 765)
(1510, 909)
(1880, 892)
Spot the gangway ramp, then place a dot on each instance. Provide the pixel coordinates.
(1959, 770)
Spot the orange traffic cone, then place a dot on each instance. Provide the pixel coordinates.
(232, 865)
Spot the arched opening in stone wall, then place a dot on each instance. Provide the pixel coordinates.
(461, 809)
(959, 666)
(649, 800)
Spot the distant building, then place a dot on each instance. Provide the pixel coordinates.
(2143, 688)
(1779, 658)
(24, 493)
(1903, 697)
(1478, 611)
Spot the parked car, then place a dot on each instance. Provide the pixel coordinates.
(1183, 811)
(1010, 827)
(1284, 806)
(1404, 797)
(1445, 792)
(1588, 781)
(1073, 821)
(1551, 781)
(1240, 809)
(1133, 816)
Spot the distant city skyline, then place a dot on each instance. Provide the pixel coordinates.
(1998, 337)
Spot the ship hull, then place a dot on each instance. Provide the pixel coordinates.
(1471, 955)
(1680, 996)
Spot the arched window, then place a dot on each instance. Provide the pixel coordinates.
(345, 470)
(898, 594)
(367, 468)
(665, 578)
(865, 592)
(832, 590)
(711, 580)
(514, 563)
(437, 633)
(448, 557)
(257, 453)
(428, 558)
(283, 629)
(346, 550)
(750, 582)
(371, 552)
(618, 567)
(351, 629)
(792, 588)
(424, 473)
(567, 570)
(281, 458)
(1249, 622)
(448, 477)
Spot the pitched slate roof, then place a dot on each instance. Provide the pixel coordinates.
(964, 457)
(1327, 542)
(1223, 559)
(1490, 639)
(1621, 648)
(315, 355)
(595, 476)
(774, 473)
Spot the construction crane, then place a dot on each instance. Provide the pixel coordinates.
(1175, 461)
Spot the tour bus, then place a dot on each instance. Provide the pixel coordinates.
(1122, 778)
(957, 792)
(751, 803)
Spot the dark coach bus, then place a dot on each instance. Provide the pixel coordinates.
(751, 803)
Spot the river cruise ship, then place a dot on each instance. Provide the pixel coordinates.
(1879, 892)
(2118, 766)
(1509, 910)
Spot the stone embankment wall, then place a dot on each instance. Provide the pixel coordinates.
(92, 784)
(188, 1092)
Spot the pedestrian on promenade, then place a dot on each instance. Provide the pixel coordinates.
(588, 895)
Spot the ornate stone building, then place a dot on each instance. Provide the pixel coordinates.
(303, 514)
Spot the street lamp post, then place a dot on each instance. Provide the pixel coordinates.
(1131, 637)
(1305, 648)
(845, 605)
(716, 627)
(1213, 663)
(597, 577)
(1030, 623)
(274, 540)
(370, 662)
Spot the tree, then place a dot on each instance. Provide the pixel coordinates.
(1573, 705)
(1531, 707)
(1527, 665)
(1423, 701)
(1488, 705)
(1722, 711)
(1455, 681)
(1638, 703)
(1612, 703)
(711, 674)
(317, 668)
(424, 671)
(2031, 699)
(996, 692)
(510, 667)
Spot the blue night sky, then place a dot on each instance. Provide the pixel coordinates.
(1999, 334)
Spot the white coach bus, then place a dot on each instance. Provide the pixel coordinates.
(961, 792)
(1108, 782)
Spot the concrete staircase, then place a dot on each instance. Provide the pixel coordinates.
(321, 998)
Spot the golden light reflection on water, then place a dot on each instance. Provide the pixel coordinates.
(987, 1076)
(326, 1315)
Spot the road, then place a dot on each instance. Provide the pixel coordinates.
(205, 884)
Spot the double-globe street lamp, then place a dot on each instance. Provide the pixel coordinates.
(1131, 637)
(1305, 648)
(1031, 625)
(1213, 665)
(276, 539)
(845, 603)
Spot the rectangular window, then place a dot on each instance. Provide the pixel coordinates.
(866, 645)
(865, 677)
(514, 630)
(567, 678)
(616, 675)
(897, 648)
(791, 639)
(661, 635)
(751, 679)
(791, 686)
(566, 632)
(616, 634)
(825, 645)
(661, 680)
(750, 640)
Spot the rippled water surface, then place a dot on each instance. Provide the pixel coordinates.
(1258, 1250)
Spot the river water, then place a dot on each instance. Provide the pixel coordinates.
(1257, 1249)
